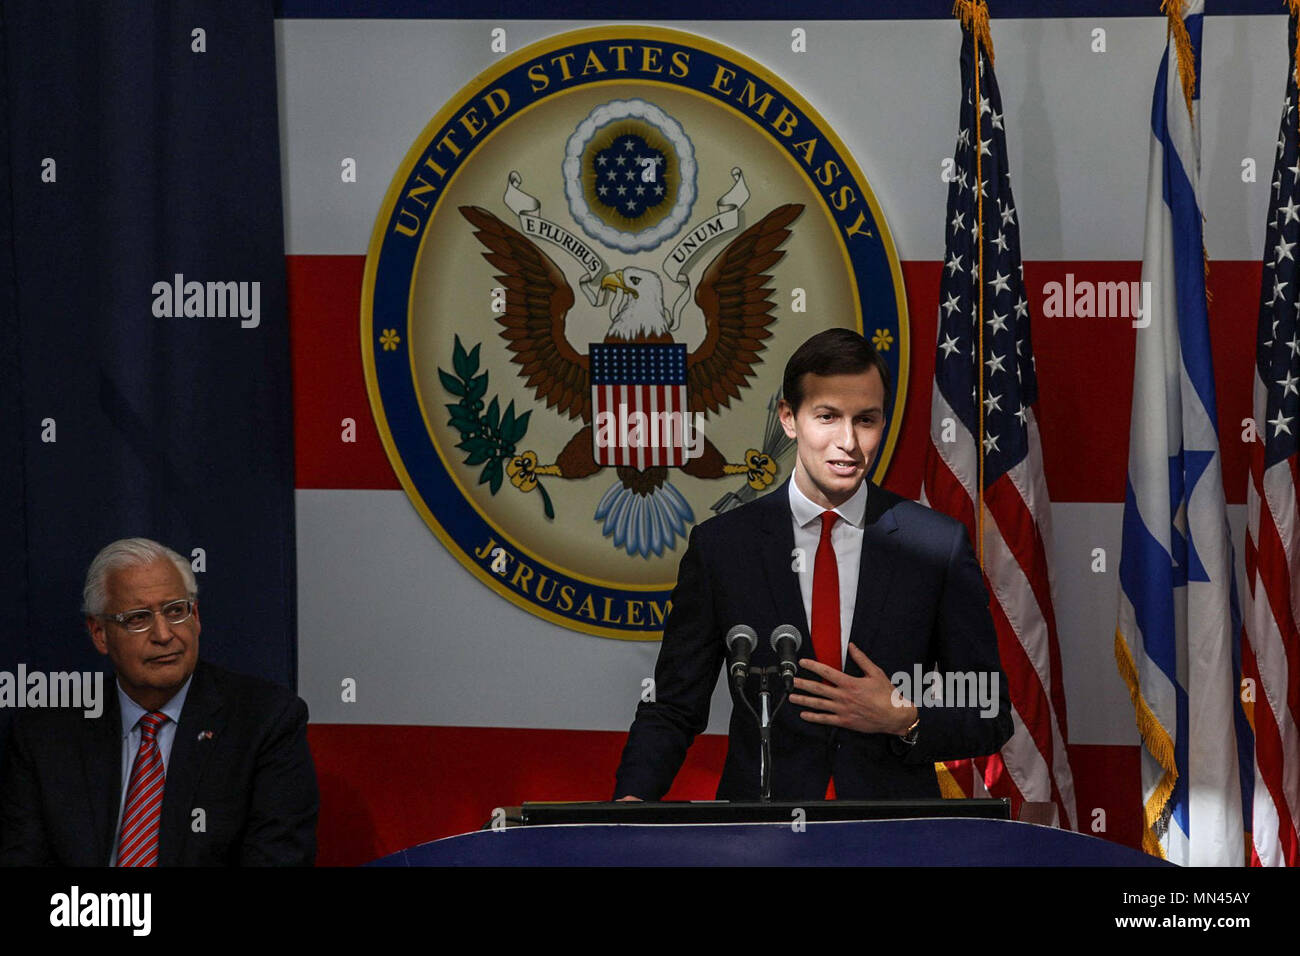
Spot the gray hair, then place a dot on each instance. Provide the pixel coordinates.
(129, 553)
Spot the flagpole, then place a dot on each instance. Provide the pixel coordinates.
(974, 16)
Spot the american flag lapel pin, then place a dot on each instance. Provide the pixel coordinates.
(205, 735)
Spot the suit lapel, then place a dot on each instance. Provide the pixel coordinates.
(875, 569)
(101, 754)
(203, 713)
(783, 584)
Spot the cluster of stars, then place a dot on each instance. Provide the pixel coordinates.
(642, 364)
(630, 176)
(1279, 353)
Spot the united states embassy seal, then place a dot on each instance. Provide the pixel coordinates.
(580, 294)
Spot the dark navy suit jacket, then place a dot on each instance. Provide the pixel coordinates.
(252, 776)
(920, 599)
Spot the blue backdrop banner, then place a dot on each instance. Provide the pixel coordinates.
(144, 358)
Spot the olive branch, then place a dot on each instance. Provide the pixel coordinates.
(488, 438)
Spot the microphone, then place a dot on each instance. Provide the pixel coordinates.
(786, 641)
(741, 642)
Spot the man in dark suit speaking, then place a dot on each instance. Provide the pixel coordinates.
(884, 587)
(189, 764)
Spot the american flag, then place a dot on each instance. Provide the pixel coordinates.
(638, 394)
(1271, 649)
(985, 385)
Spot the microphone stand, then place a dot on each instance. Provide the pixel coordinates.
(764, 716)
(764, 737)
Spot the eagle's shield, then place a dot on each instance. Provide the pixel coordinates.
(638, 394)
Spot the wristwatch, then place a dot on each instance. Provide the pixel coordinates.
(909, 738)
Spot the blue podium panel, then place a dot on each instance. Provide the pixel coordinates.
(929, 842)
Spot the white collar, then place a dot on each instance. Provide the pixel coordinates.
(805, 511)
(132, 712)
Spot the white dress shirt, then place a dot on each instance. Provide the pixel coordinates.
(846, 539)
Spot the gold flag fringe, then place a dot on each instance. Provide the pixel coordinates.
(1156, 740)
(1294, 7)
(1173, 11)
(949, 788)
(974, 16)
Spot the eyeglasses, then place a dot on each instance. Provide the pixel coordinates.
(141, 619)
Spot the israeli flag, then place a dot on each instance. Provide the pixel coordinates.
(1178, 613)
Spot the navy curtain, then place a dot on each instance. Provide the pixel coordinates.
(141, 143)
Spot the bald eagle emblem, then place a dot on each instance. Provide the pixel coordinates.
(638, 398)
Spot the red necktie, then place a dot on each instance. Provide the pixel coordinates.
(826, 599)
(138, 845)
(826, 608)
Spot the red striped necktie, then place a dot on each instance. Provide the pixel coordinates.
(142, 815)
(826, 607)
